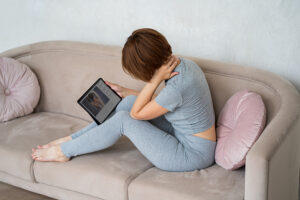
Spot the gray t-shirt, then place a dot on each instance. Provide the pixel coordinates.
(188, 98)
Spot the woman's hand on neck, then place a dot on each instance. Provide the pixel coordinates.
(163, 73)
(166, 70)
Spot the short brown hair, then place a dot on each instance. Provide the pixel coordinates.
(145, 51)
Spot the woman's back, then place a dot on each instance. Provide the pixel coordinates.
(188, 98)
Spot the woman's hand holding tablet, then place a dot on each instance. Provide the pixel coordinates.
(121, 91)
(100, 100)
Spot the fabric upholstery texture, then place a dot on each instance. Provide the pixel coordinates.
(240, 123)
(113, 166)
(48, 190)
(20, 135)
(210, 183)
(19, 89)
(272, 164)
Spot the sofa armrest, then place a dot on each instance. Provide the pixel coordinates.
(272, 164)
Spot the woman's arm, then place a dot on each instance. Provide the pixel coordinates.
(144, 97)
(144, 107)
(123, 91)
(135, 92)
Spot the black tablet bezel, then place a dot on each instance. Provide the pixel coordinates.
(78, 101)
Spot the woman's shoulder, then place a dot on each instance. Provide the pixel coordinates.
(189, 73)
(190, 64)
(191, 70)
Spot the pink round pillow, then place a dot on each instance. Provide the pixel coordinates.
(19, 89)
(240, 123)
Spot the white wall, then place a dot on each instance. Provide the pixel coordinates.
(258, 33)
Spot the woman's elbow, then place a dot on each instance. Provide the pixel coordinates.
(133, 115)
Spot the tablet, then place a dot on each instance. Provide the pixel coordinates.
(99, 101)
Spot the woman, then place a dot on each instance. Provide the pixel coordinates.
(174, 130)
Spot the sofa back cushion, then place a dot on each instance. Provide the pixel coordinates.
(66, 69)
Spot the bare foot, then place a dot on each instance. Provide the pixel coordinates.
(53, 153)
(55, 142)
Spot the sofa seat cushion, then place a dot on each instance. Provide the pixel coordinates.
(20, 135)
(213, 183)
(104, 174)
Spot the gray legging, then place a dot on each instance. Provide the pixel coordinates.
(166, 148)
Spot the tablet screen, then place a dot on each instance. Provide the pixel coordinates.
(99, 101)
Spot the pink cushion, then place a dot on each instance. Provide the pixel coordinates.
(19, 89)
(240, 123)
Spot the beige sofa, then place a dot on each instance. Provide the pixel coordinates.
(65, 69)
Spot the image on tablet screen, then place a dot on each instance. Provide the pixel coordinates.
(95, 101)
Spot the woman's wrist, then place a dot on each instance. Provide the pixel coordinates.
(155, 80)
(130, 92)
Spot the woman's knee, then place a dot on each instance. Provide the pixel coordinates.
(123, 116)
(126, 103)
